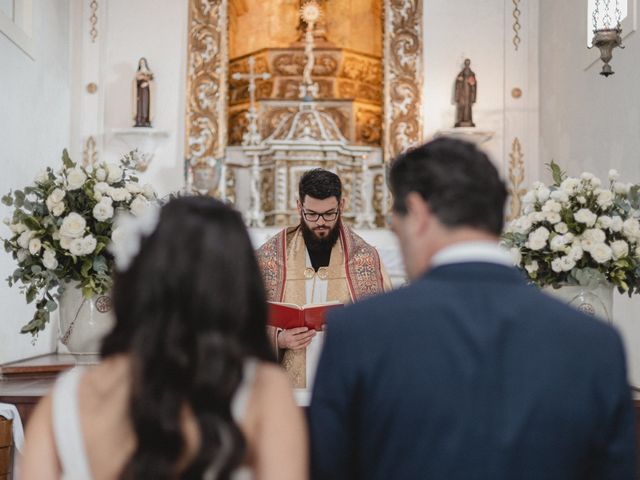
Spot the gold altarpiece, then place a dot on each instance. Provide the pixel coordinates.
(367, 65)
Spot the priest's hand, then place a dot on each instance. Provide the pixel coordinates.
(295, 338)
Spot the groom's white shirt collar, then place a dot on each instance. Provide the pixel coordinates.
(464, 252)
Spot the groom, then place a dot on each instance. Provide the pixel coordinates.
(469, 372)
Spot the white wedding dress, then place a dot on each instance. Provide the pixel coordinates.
(68, 435)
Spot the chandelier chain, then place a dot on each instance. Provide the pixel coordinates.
(618, 14)
(596, 13)
(606, 20)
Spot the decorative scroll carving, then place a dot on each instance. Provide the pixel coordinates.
(516, 177)
(90, 152)
(403, 75)
(93, 20)
(368, 127)
(516, 25)
(206, 81)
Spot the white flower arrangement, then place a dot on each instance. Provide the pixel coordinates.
(576, 232)
(61, 226)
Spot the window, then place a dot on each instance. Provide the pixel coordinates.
(16, 23)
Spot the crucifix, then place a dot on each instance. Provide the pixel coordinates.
(252, 135)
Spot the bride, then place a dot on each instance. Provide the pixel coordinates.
(186, 387)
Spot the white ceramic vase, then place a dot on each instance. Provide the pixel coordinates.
(596, 301)
(84, 322)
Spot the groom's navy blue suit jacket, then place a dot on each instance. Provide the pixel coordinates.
(470, 373)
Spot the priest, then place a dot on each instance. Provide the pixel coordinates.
(317, 261)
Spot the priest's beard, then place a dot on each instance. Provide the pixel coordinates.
(314, 242)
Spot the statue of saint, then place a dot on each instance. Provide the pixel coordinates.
(143, 85)
(465, 95)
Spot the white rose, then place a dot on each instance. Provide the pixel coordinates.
(133, 187)
(49, 259)
(119, 194)
(620, 249)
(567, 263)
(101, 174)
(34, 245)
(576, 253)
(528, 199)
(58, 209)
(18, 227)
(631, 228)
(601, 253)
(595, 235)
(559, 242)
(616, 224)
(537, 217)
(73, 225)
(56, 235)
(75, 178)
(101, 188)
(22, 255)
(542, 193)
(76, 247)
(586, 216)
(553, 217)
(139, 205)
(559, 196)
(538, 239)
(556, 265)
(24, 238)
(88, 244)
(56, 196)
(114, 173)
(561, 227)
(65, 242)
(531, 267)
(521, 225)
(42, 176)
(603, 221)
(569, 185)
(613, 174)
(149, 192)
(605, 199)
(551, 206)
(515, 255)
(581, 199)
(103, 210)
(621, 188)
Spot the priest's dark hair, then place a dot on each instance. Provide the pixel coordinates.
(319, 183)
(189, 310)
(457, 180)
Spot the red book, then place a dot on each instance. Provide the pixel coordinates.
(289, 315)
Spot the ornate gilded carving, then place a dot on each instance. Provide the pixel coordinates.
(516, 177)
(206, 81)
(368, 127)
(516, 25)
(403, 75)
(90, 152)
(93, 20)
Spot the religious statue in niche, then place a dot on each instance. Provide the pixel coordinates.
(143, 86)
(465, 95)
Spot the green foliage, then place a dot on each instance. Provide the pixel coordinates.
(556, 173)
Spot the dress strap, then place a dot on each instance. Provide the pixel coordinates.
(241, 398)
(66, 426)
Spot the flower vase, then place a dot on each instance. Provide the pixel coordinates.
(84, 321)
(594, 300)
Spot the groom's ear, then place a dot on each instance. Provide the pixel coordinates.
(419, 214)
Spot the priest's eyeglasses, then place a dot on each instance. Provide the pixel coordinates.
(326, 216)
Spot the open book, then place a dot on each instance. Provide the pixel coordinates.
(289, 315)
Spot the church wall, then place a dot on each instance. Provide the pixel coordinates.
(35, 119)
(589, 122)
(157, 30)
(485, 32)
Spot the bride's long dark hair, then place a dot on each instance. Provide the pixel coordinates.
(189, 310)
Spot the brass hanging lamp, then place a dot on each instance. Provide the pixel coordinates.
(606, 38)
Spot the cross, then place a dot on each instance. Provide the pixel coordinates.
(251, 136)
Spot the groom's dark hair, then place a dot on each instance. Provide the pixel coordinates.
(456, 179)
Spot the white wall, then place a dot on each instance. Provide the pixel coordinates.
(448, 40)
(589, 122)
(156, 30)
(34, 128)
